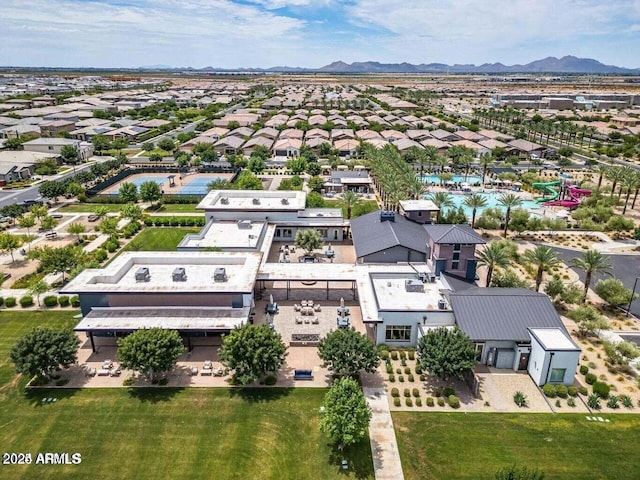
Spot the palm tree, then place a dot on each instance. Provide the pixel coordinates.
(591, 262)
(630, 181)
(493, 255)
(486, 160)
(474, 202)
(542, 257)
(415, 187)
(349, 200)
(509, 201)
(441, 200)
(602, 170)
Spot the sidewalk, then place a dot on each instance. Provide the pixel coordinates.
(384, 447)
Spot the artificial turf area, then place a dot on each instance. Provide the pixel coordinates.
(159, 239)
(91, 207)
(164, 433)
(475, 446)
(176, 208)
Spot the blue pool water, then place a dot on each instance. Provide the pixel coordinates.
(456, 179)
(492, 202)
(198, 186)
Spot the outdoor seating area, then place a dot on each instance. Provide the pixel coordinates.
(209, 369)
(109, 369)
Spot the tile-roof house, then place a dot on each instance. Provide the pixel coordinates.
(384, 237)
(452, 249)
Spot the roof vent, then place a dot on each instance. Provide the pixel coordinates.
(256, 201)
(142, 275)
(413, 285)
(244, 224)
(387, 216)
(442, 304)
(220, 275)
(179, 275)
(285, 201)
(224, 200)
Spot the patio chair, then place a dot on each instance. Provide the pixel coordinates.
(298, 320)
(296, 307)
(218, 372)
(193, 371)
(303, 303)
(309, 303)
(316, 307)
(315, 321)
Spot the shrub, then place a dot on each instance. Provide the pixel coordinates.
(63, 300)
(626, 401)
(448, 392)
(601, 389)
(403, 355)
(398, 371)
(411, 355)
(100, 255)
(520, 399)
(75, 301)
(410, 378)
(394, 355)
(408, 402)
(418, 402)
(571, 402)
(401, 378)
(415, 392)
(437, 392)
(1, 301)
(561, 391)
(384, 355)
(549, 390)
(584, 369)
(406, 392)
(127, 382)
(395, 392)
(389, 369)
(403, 362)
(50, 301)
(572, 391)
(396, 402)
(392, 378)
(423, 377)
(418, 370)
(10, 302)
(270, 380)
(613, 402)
(594, 402)
(407, 370)
(583, 390)
(454, 402)
(26, 301)
(558, 404)
(430, 402)
(441, 401)
(590, 378)
(163, 381)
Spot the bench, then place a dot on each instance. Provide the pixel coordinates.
(303, 375)
(51, 234)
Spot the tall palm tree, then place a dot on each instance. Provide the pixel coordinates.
(415, 187)
(493, 255)
(441, 200)
(602, 170)
(542, 257)
(630, 181)
(474, 202)
(509, 201)
(349, 200)
(486, 160)
(591, 262)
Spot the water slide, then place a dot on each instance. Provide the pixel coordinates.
(575, 197)
(547, 188)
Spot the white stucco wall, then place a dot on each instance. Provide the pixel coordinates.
(434, 319)
(541, 362)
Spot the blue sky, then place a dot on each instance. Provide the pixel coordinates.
(312, 33)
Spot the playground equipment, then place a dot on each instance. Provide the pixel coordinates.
(547, 188)
(575, 197)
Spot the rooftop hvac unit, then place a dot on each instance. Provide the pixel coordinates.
(285, 201)
(179, 275)
(422, 277)
(387, 216)
(442, 304)
(142, 274)
(244, 224)
(220, 274)
(256, 201)
(432, 278)
(413, 285)
(224, 200)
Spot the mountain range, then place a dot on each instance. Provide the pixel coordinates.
(566, 64)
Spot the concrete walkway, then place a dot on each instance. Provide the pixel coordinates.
(384, 447)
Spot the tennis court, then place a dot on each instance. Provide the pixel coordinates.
(199, 185)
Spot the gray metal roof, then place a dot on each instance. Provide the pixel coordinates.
(453, 234)
(502, 313)
(370, 235)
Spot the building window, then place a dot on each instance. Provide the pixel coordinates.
(323, 232)
(456, 247)
(557, 374)
(456, 256)
(398, 333)
(455, 265)
(419, 213)
(50, 147)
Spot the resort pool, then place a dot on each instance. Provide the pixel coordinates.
(456, 179)
(198, 186)
(492, 202)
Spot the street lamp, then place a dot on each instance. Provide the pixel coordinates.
(633, 292)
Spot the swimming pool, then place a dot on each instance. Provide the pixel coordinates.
(492, 202)
(472, 179)
(198, 186)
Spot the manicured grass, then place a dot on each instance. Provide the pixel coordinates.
(176, 208)
(165, 433)
(361, 208)
(564, 446)
(159, 239)
(91, 207)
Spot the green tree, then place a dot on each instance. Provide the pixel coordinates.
(494, 255)
(508, 201)
(128, 192)
(315, 200)
(346, 352)
(147, 146)
(150, 351)
(48, 223)
(621, 353)
(150, 191)
(39, 211)
(100, 143)
(109, 226)
(247, 181)
(155, 157)
(345, 414)
(315, 184)
(588, 319)
(52, 189)
(251, 352)
(297, 165)
(69, 153)
(37, 287)
(542, 258)
(261, 152)
(76, 229)
(441, 200)
(59, 260)
(349, 201)
(101, 211)
(256, 164)
(74, 189)
(27, 222)
(167, 145)
(591, 262)
(308, 239)
(446, 353)
(132, 212)
(313, 168)
(474, 202)
(8, 243)
(613, 292)
(44, 350)
(508, 278)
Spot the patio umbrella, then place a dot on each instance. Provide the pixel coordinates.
(341, 302)
(271, 299)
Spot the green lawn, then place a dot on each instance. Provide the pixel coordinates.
(165, 433)
(90, 207)
(159, 239)
(176, 208)
(362, 207)
(475, 446)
